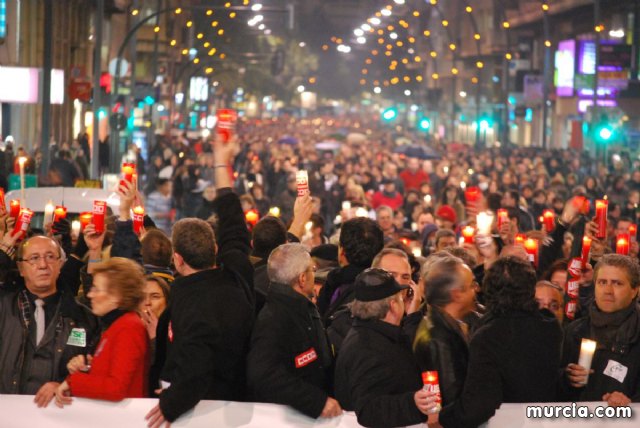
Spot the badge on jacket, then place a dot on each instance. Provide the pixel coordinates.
(307, 357)
(616, 370)
(77, 337)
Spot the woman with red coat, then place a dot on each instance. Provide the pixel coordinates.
(120, 365)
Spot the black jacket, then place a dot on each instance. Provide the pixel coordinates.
(623, 354)
(340, 281)
(207, 326)
(441, 346)
(513, 358)
(377, 376)
(290, 361)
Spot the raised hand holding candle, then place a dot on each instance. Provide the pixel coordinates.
(14, 208)
(128, 169)
(227, 119)
(549, 220)
(99, 213)
(587, 349)
(23, 222)
(602, 206)
(431, 384)
(622, 244)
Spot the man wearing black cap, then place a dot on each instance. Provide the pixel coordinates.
(376, 374)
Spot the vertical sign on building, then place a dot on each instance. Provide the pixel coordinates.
(3, 19)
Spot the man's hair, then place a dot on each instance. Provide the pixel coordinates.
(557, 266)
(509, 285)
(388, 251)
(549, 284)
(625, 263)
(156, 248)
(438, 291)
(287, 262)
(468, 258)
(621, 219)
(361, 239)
(438, 262)
(382, 208)
(125, 278)
(195, 241)
(268, 233)
(161, 182)
(443, 233)
(375, 310)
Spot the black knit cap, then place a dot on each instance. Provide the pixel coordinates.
(376, 284)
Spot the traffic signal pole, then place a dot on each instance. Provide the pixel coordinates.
(97, 71)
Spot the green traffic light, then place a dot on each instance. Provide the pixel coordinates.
(149, 100)
(390, 114)
(424, 124)
(605, 133)
(484, 125)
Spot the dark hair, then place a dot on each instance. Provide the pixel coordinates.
(162, 283)
(558, 265)
(268, 234)
(317, 221)
(438, 293)
(509, 285)
(156, 248)
(494, 201)
(443, 233)
(468, 258)
(161, 182)
(625, 263)
(361, 239)
(195, 241)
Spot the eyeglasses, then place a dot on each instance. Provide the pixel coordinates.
(35, 259)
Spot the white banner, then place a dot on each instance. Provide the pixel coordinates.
(19, 411)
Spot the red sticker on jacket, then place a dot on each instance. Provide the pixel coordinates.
(307, 357)
(170, 333)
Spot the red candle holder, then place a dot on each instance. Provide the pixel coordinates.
(138, 219)
(467, 233)
(472, 194)
(85, 219)
(22, 222)
(633, 232)
(3, 205)
(99, 213)
(586, 248)
(14, 208)
(128, 169)
(622, 244)
(531, 247)
(59, 213)
(226, 124)
(549, 220)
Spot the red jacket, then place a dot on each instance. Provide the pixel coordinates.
(414, 181)
(379, 198)
(120, 364)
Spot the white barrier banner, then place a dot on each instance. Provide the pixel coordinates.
(19, 411)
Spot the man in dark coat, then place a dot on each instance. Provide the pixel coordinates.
(515, 352)
(290, 361)
(441, 342)
(208, 323)
(613, 321)
(376, 373)
(360, 240)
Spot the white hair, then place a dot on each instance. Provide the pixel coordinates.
(287, 262)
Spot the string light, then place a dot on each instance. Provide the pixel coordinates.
(135, 12)
(156, 29)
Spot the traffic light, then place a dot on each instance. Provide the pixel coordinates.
(603, 131)
(485, 124)
(424, 124)
(390, 114)
(149, 100)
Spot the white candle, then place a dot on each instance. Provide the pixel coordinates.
(362, 212)
(274, 211)
(346, 205)
(75, 228)
(48, 213)
(587, 349)
(21, 162)
(484, 220)
(417, 252)
(427, 199)
(463, 185)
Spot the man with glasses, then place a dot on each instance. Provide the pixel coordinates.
(41, 327)
(551, 297)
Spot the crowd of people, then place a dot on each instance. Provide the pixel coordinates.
(346, 296)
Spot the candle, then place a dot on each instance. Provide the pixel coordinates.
(99, 213)
(582, 204)
(549, 220)
(431, 384)
(586, 248)
(138, 219)
(23, 222)
(622, 244)
(417, 252)
(427, 199)
(587, 349)
(467, 233)
(346, 205)
(14, 208)
(446, 169)
(59, 213)
(520, 238)
(274, 211)
(602, 205)
(633, 232)
(75, 228)
(85, 219)
(21, 161)
(531, 247)
(472, 194)
(361, 212)
(252, 217)
(503, 217)
(227, 119)
(463, 185)
(48, 212)
(302, 179)
(3, 204)
(128, 169)
(484, 221)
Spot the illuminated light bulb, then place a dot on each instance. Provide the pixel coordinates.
(508, 56)
(469, 9)
(445, 23)
(454, 71)
(173, 42)
(156, 29)
(479, 64)
(506, 24)
(196, 60)
(135, 12)
(178, 11)
(189, 24)
(452, 46)
(476, 36)
(435, 76)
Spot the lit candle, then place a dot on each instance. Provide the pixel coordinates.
(531, 247)
(75, 228)
(427, 199)
(274, 211)
(302, 179)
(14, 208)
(463, 185)
(252, 217)
(503, 217)
(99, 213)
(520, 238)
(138, 219)
(21, 161)
(417, 252)
(361, 212)
(587, 349)
(59, 213)
(602, 206)
(472, 194)
(549, 219)
(346, 206)
(85, 219)
(128, 169)
(431, 384)
(48, 212)
(467, 233)
(633, 232)
(586, 247)
(622, 244)
(23, 222)
(484, 221)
